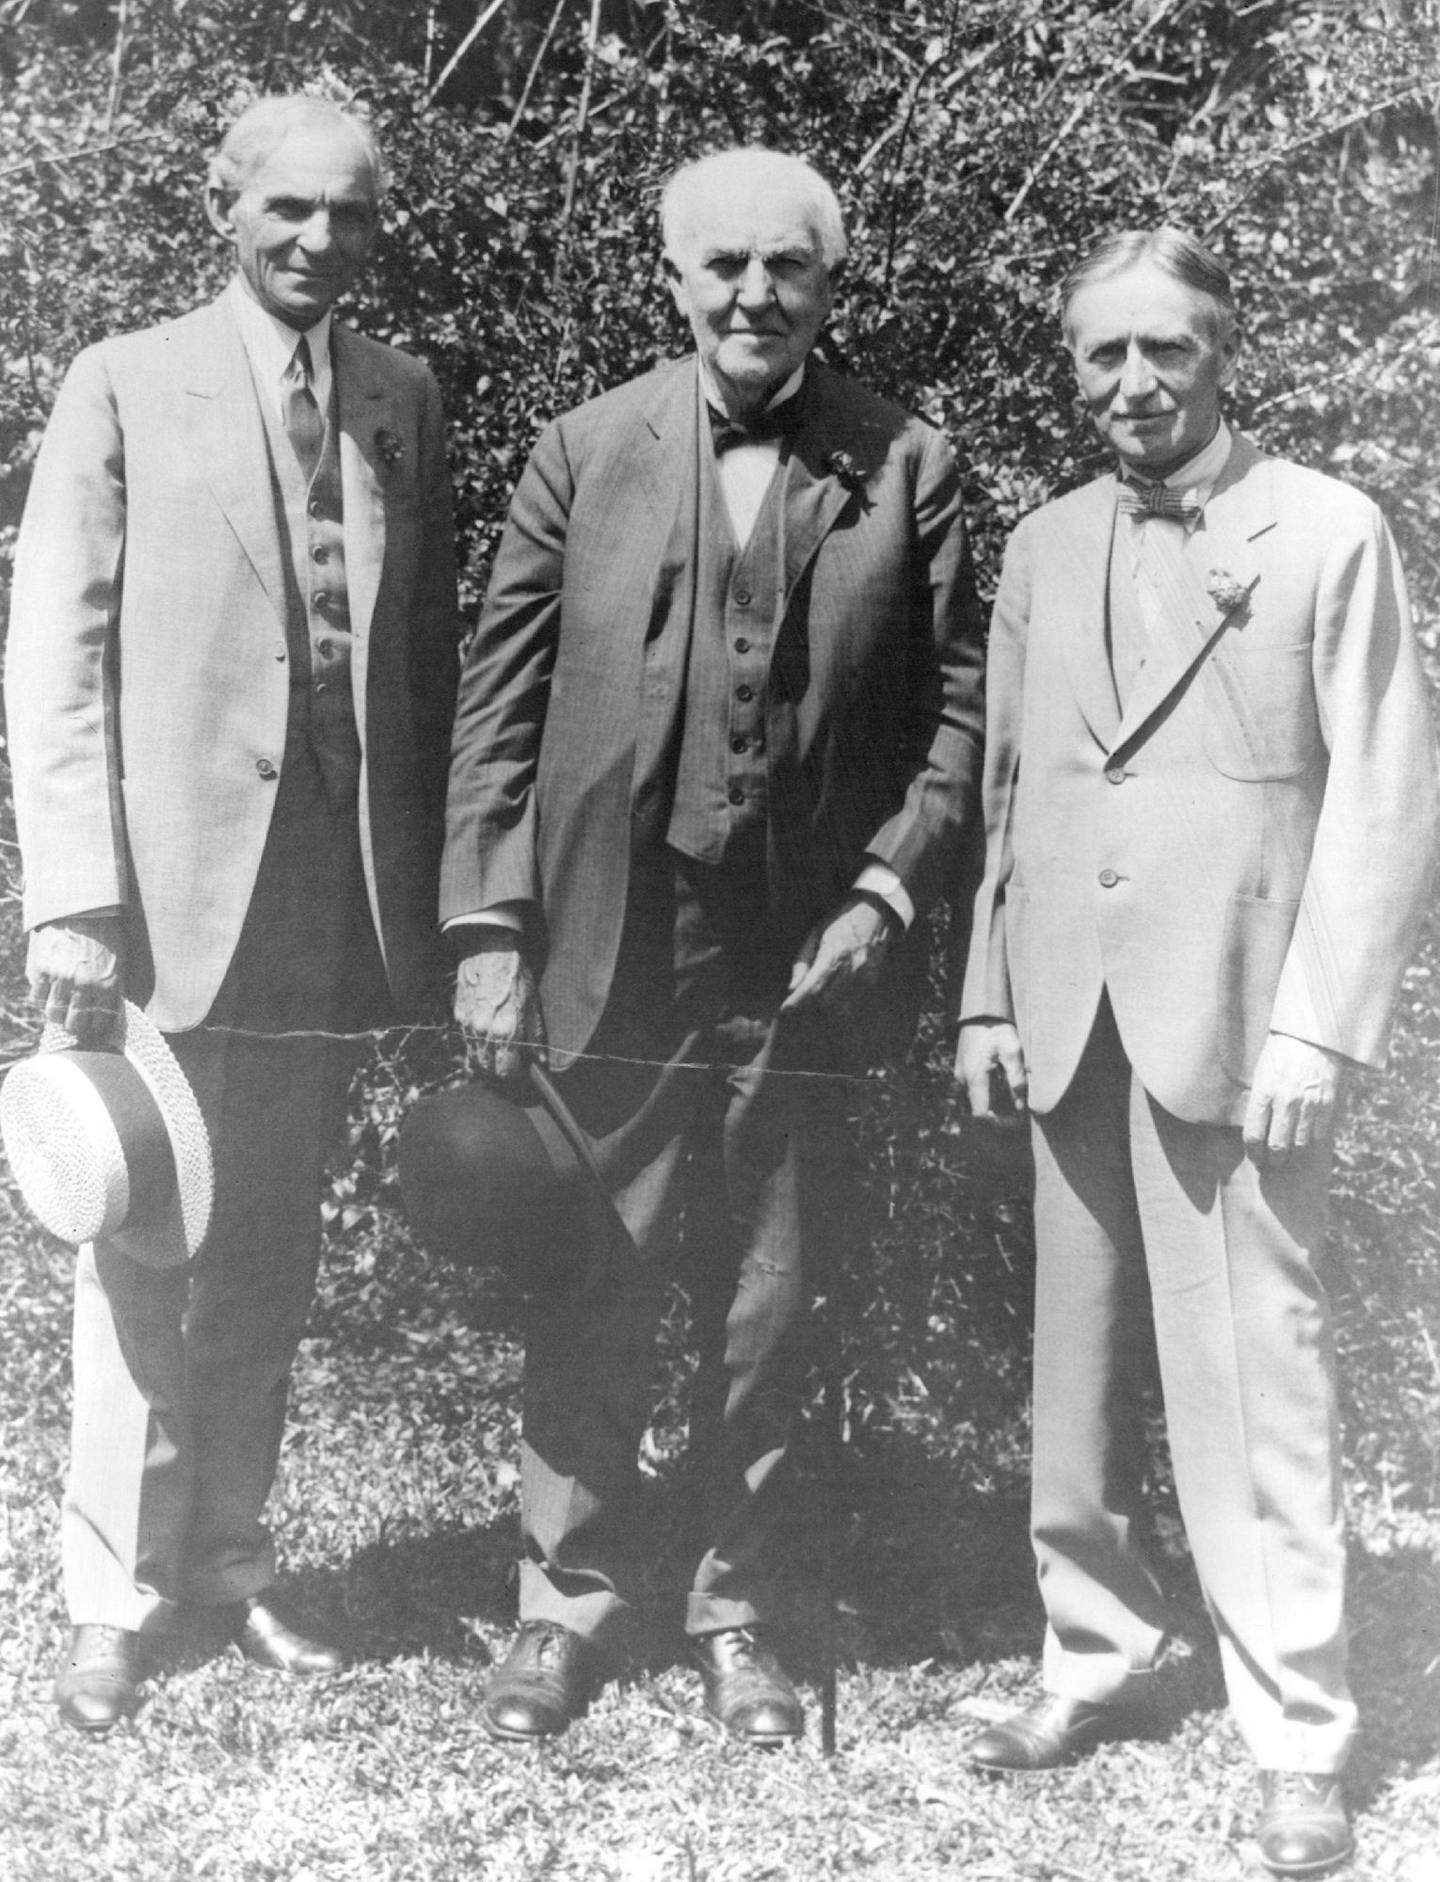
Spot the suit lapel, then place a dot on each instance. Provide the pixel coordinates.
(1240, 509)
(818, 486)
(1084, 538)
(222, 417)
(367, 417)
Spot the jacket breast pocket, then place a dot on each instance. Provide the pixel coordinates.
(1260, 717)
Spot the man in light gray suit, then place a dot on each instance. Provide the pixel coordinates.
(716, 751)
(230, 681)
(1210, 809)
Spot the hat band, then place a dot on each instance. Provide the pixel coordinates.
(148, 1157)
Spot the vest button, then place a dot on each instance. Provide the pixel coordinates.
(742, 645)
(1115, 775)
(326, 648)
(319, 552)
(1108, 878)
(321, 601)
(279, 650)
(747, 693)
(742, 597)
(315, 507)
(735, 794)
(738, 744)
(265, 769)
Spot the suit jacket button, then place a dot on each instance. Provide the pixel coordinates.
(265, 769)
(735, 794)
(1115, 775)
(1108, 878)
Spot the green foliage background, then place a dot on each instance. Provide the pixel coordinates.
(976, 146)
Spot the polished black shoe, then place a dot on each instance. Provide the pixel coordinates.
(544, 1682)
(95, 1685)
(268, 1633)
(1303, 1828)
(746, 1688)
(1048, 1734)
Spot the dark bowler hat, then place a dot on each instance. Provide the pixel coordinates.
(110, 1145)
(492, 1182)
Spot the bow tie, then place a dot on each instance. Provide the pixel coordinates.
(777, 421)
(1160, 500)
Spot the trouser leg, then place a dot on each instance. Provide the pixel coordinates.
(777, 1174)
(278, 1105)
(180, 1374)
(1105, 1611)
(1247, 1361)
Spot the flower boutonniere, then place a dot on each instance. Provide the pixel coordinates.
(846, 468)
(388, 444)
(1227, 591)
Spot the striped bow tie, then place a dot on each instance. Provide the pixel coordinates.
(1160, 500)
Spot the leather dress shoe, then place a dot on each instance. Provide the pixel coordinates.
(544, 1682)
(1303, 1827)
(96, 1682)
(273, 1636)
(1048, 1734)
(746, 1688)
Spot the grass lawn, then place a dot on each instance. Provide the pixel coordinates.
(396, 1513)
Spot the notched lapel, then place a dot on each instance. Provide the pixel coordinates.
(222, 416)
(1084, 538)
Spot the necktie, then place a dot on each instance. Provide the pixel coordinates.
(777, 421)
(1160, 500)
(303, 424)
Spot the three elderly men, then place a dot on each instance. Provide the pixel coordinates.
(230, 682)
(716, 750)
(1210, 805)
(717, 745)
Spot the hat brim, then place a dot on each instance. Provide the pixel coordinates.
(177, 1235)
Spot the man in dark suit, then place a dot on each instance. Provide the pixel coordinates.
(230, 681)
(716, 750)
(1210, 809)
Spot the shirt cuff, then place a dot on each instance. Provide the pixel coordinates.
(880, 879)
(501, 915)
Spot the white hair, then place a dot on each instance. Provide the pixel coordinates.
(690, 191)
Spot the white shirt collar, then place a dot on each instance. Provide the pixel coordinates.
(270, 344)
(714, 396)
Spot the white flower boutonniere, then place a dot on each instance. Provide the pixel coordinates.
(1226, 590)
(389, 446)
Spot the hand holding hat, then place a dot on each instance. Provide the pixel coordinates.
(74, 971)
(111, 1145)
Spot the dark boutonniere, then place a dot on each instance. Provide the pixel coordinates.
(389, 446)
(846, 468)
(1226, 590)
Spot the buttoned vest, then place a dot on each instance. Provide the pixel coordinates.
(318, 641)
(722, 772)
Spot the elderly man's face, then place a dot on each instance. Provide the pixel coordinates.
(748, 275)
(1150, 366)
(302, 223)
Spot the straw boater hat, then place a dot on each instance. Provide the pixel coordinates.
(111, 1144)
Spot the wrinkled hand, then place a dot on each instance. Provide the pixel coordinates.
(991, 1066)
(1293, 1096)
(839, 954)
(75, 976)
(496, 1002)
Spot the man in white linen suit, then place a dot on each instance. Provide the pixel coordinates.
(230, 682)
(1210, 816)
